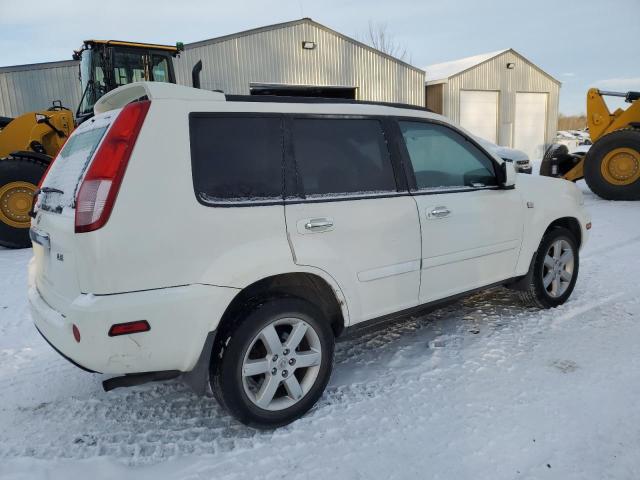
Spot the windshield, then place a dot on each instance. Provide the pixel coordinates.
(127, 66)
(160, 68)
(92, 81)
(69, 167)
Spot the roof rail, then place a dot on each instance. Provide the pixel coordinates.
(287, 99)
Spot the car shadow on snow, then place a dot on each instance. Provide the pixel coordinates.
(157, 421)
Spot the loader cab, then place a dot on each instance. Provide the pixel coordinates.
(108, 64)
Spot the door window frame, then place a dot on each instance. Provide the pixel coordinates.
(294, 188)
(408, 166)
(279, 200)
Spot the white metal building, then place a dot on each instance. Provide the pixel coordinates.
(300, 53)
(293, 56)
(24, 88)
(500, 96)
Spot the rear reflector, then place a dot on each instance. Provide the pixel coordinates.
(76, 333)
(100, 186)
(588, 226)
(129, 327)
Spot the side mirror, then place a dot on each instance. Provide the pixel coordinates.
(507, 175)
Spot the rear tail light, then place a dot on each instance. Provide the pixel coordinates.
(129, 327)
(101, 184)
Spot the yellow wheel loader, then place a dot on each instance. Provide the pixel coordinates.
(611, 166)
(29, 143)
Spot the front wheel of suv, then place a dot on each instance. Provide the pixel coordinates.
(555, 270)
(274, 365)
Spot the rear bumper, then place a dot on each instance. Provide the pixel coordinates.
(180, 319)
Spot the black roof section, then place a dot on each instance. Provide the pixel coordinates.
(285, 99)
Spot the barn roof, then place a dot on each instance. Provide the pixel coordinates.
(292, 23)
(441, 72)
(445, 70)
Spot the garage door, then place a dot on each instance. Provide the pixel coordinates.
(530, 123)
(479, 113)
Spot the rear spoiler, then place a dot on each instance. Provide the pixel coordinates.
(121, 96)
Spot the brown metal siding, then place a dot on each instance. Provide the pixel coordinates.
(434, 97)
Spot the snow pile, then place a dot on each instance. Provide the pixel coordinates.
(483, 389)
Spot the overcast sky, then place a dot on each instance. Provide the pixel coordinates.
(582, 43)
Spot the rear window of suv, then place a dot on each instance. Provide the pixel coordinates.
(68, 169)
(236, 158)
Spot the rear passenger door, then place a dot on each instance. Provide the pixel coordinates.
(471, 228)
(347, 216)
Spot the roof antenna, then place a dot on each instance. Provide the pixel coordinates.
(301, 9)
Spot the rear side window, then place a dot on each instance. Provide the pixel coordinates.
(237, 159)
(442, 158)
(342, 156)
(68, 168)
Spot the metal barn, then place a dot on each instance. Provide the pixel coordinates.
(500, 96)
(293, 58)
(293, 55)
(24, 88)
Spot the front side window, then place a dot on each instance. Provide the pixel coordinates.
(442, 158)
(160, 68)
(342, 156)
(237, 158)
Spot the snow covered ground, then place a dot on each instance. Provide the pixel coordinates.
(483, 389)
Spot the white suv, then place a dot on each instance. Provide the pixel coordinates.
(231, 240)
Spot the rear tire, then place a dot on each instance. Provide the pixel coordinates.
(615, 175)
(555, 270)
(19, 178)
(258, 343)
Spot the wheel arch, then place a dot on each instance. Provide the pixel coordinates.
(305, 285)
(570, 223)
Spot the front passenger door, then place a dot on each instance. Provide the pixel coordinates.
(349, 217)
(471, 228)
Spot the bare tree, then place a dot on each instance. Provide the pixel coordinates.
(378, 37)
(572, 122)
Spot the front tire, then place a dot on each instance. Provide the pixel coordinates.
(274, 365)
(555, 270)
(612, 166)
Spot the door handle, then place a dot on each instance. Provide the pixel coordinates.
(439, 212)
(318, 224)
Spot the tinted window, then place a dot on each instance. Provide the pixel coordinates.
(442, 157)
(338, 156)
(128, 67)
(236, 158)
(160, 68)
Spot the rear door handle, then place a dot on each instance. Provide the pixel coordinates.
(318, 224)
(439, 212)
